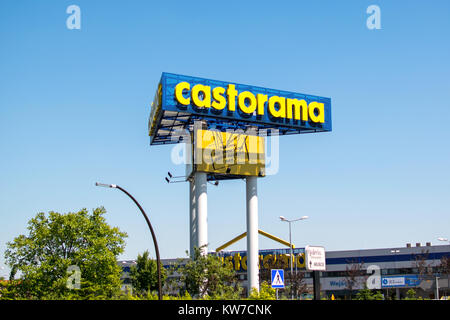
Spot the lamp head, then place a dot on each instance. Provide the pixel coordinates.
(98, 184)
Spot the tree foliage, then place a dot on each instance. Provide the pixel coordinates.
(266, 292)
(425, 270)
(144, 275)
(367, 294)
(56, 241)
(208, 277)
(353, 272)
(411, 295)
(295, 285)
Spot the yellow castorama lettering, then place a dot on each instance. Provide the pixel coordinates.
(206, 93)
(300, 109)
(244, 262)
(278, 107)
(231, 93)
(261, 100)
(247, 95)
(179, 93)
(313, 107)
(237, 261)
(281, 112)
(228, 261)
(269, 261)
(219, 100)
(300, 260)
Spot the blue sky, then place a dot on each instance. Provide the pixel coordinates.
(74, 107)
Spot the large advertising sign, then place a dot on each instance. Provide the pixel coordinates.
(180, 100)
(268, 259)
(229, 153)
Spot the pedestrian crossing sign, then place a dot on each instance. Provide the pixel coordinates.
(277, 278)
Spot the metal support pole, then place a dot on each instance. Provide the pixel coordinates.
(201, 207)
(158, 259)
(437, 288)
(193, 242)
(316, 284)
(290, 258)
(252, 234)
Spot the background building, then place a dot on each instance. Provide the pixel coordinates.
(393, 270)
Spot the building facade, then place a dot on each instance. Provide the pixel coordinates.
(393, 271)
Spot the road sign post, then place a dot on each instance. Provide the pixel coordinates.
(277, 282)
(316, 284)
(315, 261)
(277, 276)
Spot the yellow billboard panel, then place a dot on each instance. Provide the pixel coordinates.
(232, 153)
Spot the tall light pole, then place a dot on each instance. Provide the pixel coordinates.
(397, 290)
(437, 279)
(158, 260)
(290, 242)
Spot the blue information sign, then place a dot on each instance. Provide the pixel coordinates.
(399, 281)
(277, 276)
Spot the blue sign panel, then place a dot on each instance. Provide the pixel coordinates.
(399, 281)
(180, 100)
(277, 276)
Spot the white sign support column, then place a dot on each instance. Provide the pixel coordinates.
(192, 219)
(201, 208)
(252, 234)
(198, 196)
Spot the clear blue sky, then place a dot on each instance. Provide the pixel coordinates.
(74, 107)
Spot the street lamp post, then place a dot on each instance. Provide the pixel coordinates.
(290, 244)
(158, 260)
(397, 290)
(437, 279)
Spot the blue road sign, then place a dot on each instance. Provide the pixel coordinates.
(277, 278)
(399, 281)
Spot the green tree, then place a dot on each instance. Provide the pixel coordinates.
(206, 276)
(411, 294)
(57, 241)
(444, 269)
(144, 275)
(367, 294)
(266, 292)
(7, 290)
(353, 272)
